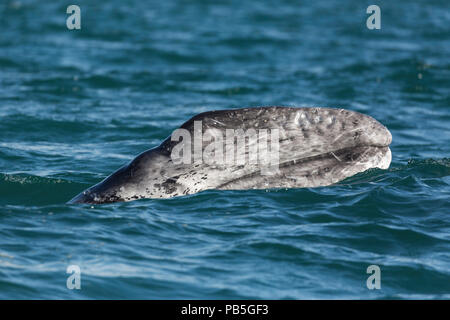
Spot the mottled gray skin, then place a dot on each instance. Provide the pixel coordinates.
(317, 147)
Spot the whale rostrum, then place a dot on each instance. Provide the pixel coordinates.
(251, 148)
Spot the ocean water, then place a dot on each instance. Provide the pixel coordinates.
(75, 105)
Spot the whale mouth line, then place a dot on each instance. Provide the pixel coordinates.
(344, 156)
(334, 154)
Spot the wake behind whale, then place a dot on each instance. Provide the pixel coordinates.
(251, 148)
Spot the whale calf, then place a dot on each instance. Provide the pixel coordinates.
(303, 147)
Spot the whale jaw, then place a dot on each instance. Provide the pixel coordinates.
(317, 147)
(317, 171)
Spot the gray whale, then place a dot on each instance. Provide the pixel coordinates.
(315, 147)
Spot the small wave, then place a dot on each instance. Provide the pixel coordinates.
(27, 189)
(441, 162)
(427, 168)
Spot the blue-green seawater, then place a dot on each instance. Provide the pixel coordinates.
(76, 105)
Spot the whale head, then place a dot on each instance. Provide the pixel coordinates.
(317, 147)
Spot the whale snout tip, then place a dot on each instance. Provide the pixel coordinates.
(388, 137)
(379, 135)
(383, 136)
